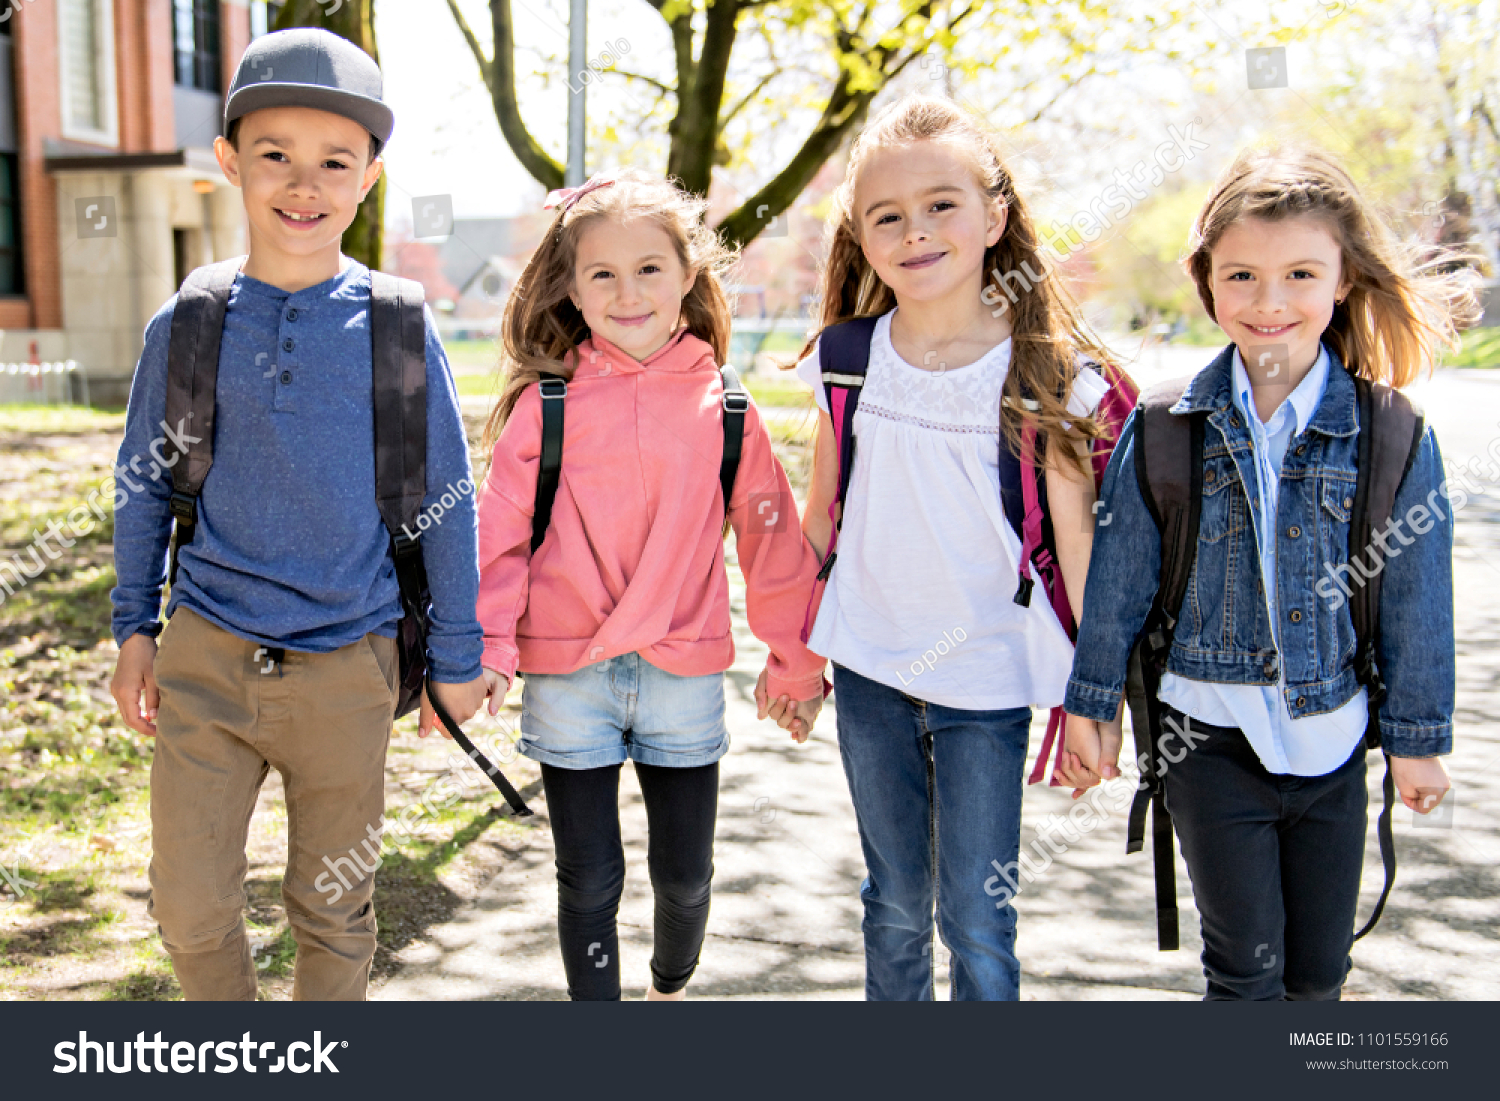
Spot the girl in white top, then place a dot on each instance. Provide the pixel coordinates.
(936, 667)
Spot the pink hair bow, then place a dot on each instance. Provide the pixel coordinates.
(567, 196)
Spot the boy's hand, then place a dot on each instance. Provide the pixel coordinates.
(496, 685)
(459, 700)
(135, 678)
(1422, 781)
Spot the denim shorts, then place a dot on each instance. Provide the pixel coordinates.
(622, 709)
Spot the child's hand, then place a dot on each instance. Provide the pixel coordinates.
(801, 718)
(1092, 752)
(1422, 781)
(496, 685)
(459, 700)
(795, 716)
(134, 678)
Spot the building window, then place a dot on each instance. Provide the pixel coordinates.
(86, 53)
(262, 17)
(195, 37)
(12, 272)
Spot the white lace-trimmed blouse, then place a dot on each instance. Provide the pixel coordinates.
(921, 595)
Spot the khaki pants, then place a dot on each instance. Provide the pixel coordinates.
(228, 714)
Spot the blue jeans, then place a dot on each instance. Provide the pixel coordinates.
(937, 792)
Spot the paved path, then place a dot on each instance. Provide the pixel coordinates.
(785, 920)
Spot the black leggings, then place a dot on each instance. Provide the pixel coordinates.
(681, 806)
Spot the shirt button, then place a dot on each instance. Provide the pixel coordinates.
(286, 377)
(1294, 531)
(1301, 447)
(1234, 422)
(1301, 701)
(291, 315)
(1209, 475)
(1270, 669)
(1348, 502)
(289, 345)
(1296, 616)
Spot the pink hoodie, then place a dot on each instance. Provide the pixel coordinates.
(633, 561)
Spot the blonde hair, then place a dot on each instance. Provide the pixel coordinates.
(1401, 309)
(542, 329)
(1047, 334)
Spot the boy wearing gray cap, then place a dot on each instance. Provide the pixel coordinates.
(280, 646)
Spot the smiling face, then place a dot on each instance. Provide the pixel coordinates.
(629, 283)
(1277, 283)
(303, 174)
(923, 222)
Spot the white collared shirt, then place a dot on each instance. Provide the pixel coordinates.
(1310, 746)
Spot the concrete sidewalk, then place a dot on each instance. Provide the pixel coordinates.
(786, 912)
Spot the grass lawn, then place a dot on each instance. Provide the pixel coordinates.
(1481, 348)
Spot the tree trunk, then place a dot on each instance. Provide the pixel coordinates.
(354, 20)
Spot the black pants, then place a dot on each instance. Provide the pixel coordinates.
(1275, 863)
(681, 808)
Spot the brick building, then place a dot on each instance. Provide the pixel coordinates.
(109, 191)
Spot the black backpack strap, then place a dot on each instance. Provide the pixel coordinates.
(1391, 428)
(736, 402)
(554, 390)
(398, 341)
(1169, 472)
(844, 360)
(192, 377)
(398, 346)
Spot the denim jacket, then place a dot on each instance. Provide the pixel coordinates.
(1223, 633)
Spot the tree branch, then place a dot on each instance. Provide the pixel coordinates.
(660, 86)
(486, 66)
(544, 169)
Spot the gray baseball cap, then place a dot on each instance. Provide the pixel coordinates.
(309, 67)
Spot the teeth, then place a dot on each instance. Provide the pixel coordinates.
(302, 217)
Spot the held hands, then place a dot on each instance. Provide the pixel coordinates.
(461, 701)
(796, 716)
(1422, 781)
(135, 679)
(1092, 752)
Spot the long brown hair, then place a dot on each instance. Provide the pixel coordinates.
(1401, 310)
(1048, 335)
(542, 329)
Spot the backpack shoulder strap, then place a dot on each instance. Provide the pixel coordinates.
(1390, 432)
(192, 378)
(1391, 427)
(554, 389)
(398, 344)
(736, 402)
(844, 356)
(1169, 472)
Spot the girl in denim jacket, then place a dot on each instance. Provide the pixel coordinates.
(1269, 795)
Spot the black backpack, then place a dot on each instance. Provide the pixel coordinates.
(554, 390)
(1169, 472)
(399, 361)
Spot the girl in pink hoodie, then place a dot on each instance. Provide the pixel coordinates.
(620, 617)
